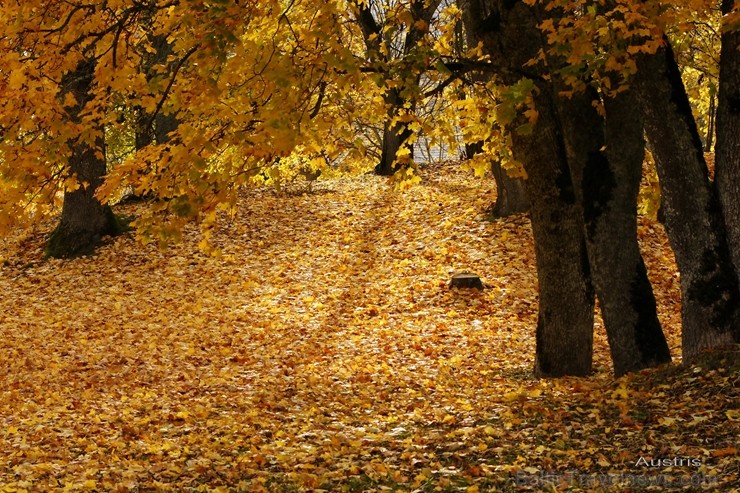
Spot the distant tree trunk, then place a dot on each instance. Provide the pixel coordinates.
(395, 135)
(727, 148)
(693, 219)
(84, 219)
(511, 38)
(143, 132)
(511, 193)
(164, 124)
(155, 128)
(607, 183)
(473, 148)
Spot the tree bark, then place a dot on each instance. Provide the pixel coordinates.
(727, 148)
(566, 297)
(564, 339)
(693, 219)
(155, 128)
(607, 183)
(395, 135)
(84, 219)
(511, 193)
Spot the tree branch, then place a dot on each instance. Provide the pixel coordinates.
(167, 90)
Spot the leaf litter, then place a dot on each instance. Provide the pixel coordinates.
(324, 351)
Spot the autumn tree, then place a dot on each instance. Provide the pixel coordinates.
(727, 162)
(394, 36)
(84, 220)
(565, 326)
(636, 71)
(54, 115)
(511, 196)
(603, 136)
(244, 80)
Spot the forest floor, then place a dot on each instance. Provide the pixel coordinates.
(324, 351)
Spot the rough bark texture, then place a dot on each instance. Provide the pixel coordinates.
(565, 325)
(695, 226)
(84, 219)
(607, 184)
(727, 155)
(566, 305)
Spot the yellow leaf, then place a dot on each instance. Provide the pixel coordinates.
(511, 396)
(621, 392)
(17, 79)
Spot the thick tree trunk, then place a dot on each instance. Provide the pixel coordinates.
(510, 37)
(395, 136)
(566, 311)
(607, 184)
(695, 226)
(727, 149)
(84, 219)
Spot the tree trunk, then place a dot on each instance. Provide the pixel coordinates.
(695, 226)
(727, 148)
(84, 219)
(607, 184)
(155, 128)
(395, 136)
(511, 38)
(164, 124)
(143, 133)
(566, 297)
(511, 193)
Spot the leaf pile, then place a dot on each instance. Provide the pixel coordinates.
(324, 352)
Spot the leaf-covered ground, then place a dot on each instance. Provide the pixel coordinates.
(324, 352)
